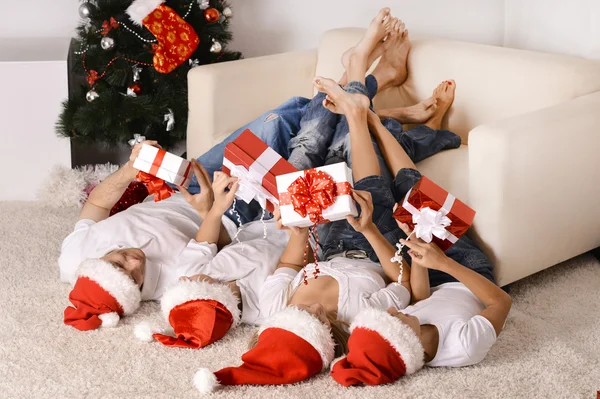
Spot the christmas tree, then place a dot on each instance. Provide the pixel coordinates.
(134, 57)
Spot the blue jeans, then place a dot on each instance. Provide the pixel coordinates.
(464, 251)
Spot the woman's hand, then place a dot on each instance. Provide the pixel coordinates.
(365, 221)
(427, 255)
(135, 152)
(289, 230)
(203, 201)
(224, 188)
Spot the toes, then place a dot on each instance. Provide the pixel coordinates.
(327, 86)
(405, 34)
(402, 27)
(383, 13)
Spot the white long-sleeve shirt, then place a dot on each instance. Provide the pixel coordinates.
(163, 230)
(361, 285)
(250, 262)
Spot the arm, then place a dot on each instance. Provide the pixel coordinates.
(293, 255)
(419, 276)
(497, 301)
(109, 191)
(393, 153)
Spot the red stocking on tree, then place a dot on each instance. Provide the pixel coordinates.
(177, 40)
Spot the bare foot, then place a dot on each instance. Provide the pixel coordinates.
(418, 113)
(392, 70)
(339, 101)
(377, 52)
(379, 28)
(444, 94)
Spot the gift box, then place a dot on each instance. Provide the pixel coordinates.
(256, 165)
(317, 195)
(164, 165)
(434, 214)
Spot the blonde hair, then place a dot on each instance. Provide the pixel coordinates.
(339, 332)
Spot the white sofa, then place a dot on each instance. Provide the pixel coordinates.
(530, 123)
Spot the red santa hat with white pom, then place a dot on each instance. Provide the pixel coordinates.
(381, 349)
(292, 347)
(101, 295)
(199, 312)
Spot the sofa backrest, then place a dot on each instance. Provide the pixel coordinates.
(493, 83)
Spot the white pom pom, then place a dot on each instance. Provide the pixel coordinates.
(205, 381)
(143, 331)
(109, 319)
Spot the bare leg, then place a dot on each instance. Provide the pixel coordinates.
(394, 155)
(379, 27)
(392, 69)
(418, 113)
(444, 95)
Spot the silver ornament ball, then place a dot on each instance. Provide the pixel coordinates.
(227, 12)
(85, 10)
(204, 4)
(107, 43)
(216, 47)
(91, 95)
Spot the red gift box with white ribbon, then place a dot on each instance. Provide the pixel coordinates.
(434, 214)
(256, 165)
(318, 195)
(158, 166)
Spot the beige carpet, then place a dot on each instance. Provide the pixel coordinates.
(549, 349)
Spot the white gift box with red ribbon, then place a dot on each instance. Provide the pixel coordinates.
(342, 206)
(164, 165)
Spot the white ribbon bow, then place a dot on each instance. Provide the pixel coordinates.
(250, 187)
(137, 138)
(429, 223)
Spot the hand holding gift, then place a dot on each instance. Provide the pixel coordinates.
(158, 166)
(365, 221)
(203, 201)
(225, 188)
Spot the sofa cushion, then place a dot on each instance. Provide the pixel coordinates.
(449, 169)
(493, 83)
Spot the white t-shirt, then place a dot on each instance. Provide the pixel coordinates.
(161, 229)
(249, 261)
(465, 337)
(361, 285)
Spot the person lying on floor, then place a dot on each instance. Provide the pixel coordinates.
(452, 324)
(202, 308)
(296, 341)
(114, 263)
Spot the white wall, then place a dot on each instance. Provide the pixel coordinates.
(556, 26)
(39, 18)
(271, 26)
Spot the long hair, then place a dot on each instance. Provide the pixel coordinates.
(339, 332)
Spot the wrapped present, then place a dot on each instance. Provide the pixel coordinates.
(256, 165)
(316, 196)
(158, 166)
(434, 214)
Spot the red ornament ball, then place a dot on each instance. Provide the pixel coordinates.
(212, 15)
(134, 88)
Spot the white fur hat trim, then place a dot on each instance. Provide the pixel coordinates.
(109, 319)
(205, 381)
(116, 283)
(307, 327)
(185, 291)
(402, 338)
(140, 9)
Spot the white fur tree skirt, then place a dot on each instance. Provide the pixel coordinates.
(549, 349)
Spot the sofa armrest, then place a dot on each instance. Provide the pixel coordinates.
(533, 180)
(223, 97)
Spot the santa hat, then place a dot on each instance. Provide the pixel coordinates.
(101, 295)
(140, 9)
(199, 312)
(292, 346)
(381, 349)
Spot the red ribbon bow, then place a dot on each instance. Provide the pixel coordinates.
(107, 26)
(156, 186)
(92, 77)
(312, 193)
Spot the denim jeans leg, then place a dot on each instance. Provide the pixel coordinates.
(308, 148)
(421, 142)
(275, 128)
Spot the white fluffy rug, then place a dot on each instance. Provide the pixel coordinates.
(549, 349)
